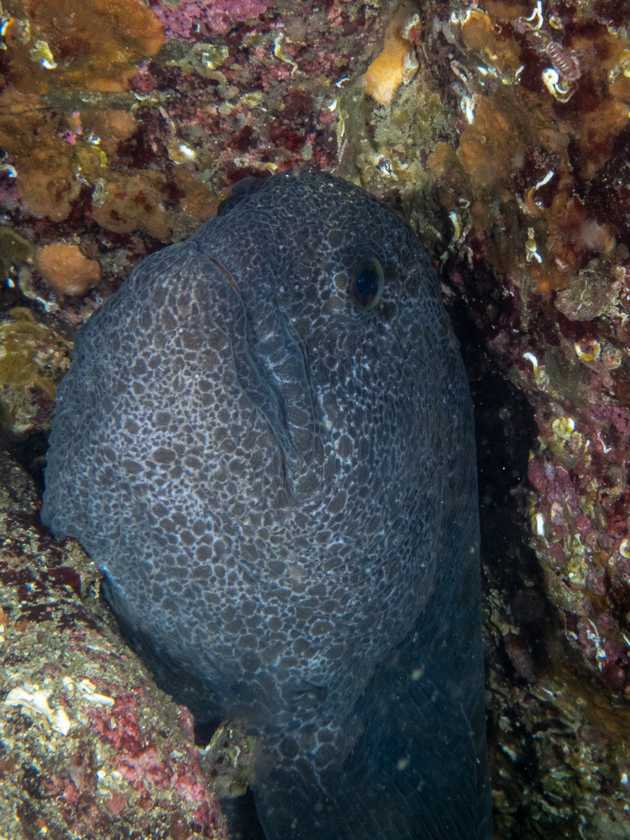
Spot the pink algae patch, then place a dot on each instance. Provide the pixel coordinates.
(144, 765)
(191, 18)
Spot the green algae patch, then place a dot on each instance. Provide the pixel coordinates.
(33, 358)
(14, 249)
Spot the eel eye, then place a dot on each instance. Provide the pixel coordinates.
(366, 286)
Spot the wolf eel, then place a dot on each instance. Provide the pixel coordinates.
(265, 442)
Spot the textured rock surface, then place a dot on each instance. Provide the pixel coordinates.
(89, 747)
(33, 357)
(115, 147)
(509, 152)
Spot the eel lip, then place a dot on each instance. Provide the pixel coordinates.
(225, 272)
(286, 398)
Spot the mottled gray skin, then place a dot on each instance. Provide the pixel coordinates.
(279, 487)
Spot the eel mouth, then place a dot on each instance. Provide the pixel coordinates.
(227, 275)
(273, 371)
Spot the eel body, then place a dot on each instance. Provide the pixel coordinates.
(265, 442)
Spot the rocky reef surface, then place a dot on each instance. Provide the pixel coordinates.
(89, 746)
(500, 130)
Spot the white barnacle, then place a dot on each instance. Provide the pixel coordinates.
(467, 101)
(531, 249)
(180, 152)
(536, 18)
(87, 689)
(511, 754)
(559, 90)
(35, 701)
(530, 198)
(593, 636)
(457, 225)
(588, 351)
(187, 151)
(42, 54)
(467, 106)
(211, 56)
(459, 18)
(280, 54)
(563, 427)
(61, 722)
(410, 67)
(384, 166)
(531, 358)
(461, 72)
